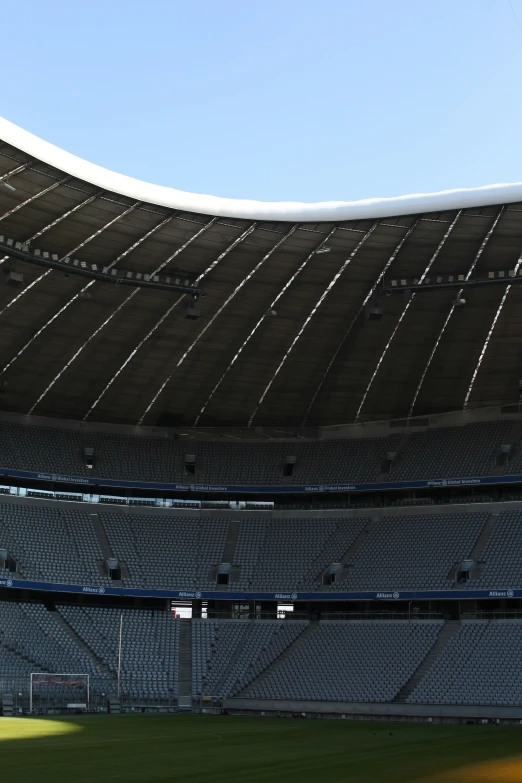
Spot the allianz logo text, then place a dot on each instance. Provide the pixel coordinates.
(501, 593)
(388, 595)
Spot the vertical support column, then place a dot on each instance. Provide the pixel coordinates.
(185, 665)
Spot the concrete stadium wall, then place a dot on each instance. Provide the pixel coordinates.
(377, 710)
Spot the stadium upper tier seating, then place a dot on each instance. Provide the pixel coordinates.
(470, 450)
(165, 551)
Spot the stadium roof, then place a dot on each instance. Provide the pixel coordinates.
(284, 336)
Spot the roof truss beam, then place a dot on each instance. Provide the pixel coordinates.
(29, 200)
(289, 282)
(173, 306)
(17, 170)
(219, 311)
(367, 298)
(105, 274)
(221, 256)
(67, 304)
(403, 314)
(111, 316)
(476, 371)
(452, 309)
(446, 284)
(309, 317)
(42, 231)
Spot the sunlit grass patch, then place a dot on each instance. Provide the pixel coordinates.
(503, 770)
(34, 728)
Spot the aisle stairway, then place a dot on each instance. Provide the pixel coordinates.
(310, 628)
(447, 632)
(185, 664)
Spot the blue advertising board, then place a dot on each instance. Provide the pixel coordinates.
(282, 596)
(99, 483)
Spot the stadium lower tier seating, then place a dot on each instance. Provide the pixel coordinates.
(479, 665)
(85, 641)
(356, 661)
(442, 452)
(476, 663)
(415, 551)
(253, 646)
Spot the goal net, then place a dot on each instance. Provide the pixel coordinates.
(69, 691)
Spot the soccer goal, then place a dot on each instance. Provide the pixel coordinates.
(60, 691)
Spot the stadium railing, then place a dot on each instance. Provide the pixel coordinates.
(492, 614)
(283, 615)
(428, 615)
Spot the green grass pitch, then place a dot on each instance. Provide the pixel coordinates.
(236, 749)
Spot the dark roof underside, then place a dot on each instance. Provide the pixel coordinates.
(116, 354)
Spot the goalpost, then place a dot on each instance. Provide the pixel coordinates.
(75, 688)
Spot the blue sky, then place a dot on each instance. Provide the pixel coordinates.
(274, 99)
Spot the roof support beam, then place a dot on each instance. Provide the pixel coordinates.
(309, 317)
(61, 218)
(106, 274)
(452, 309)
(495, 278)
(111, 316)
(158, 323)
(39, 234)
(221, 256)
(73, 299)
(488, 338)
(33, 198)
(219, 311)
(258, 324)
(406, 308)
(16, 170)
(367, 298)
(174, 305)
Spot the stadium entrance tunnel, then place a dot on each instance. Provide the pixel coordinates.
(35, 728)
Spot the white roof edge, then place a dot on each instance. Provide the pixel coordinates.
(255, 210)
